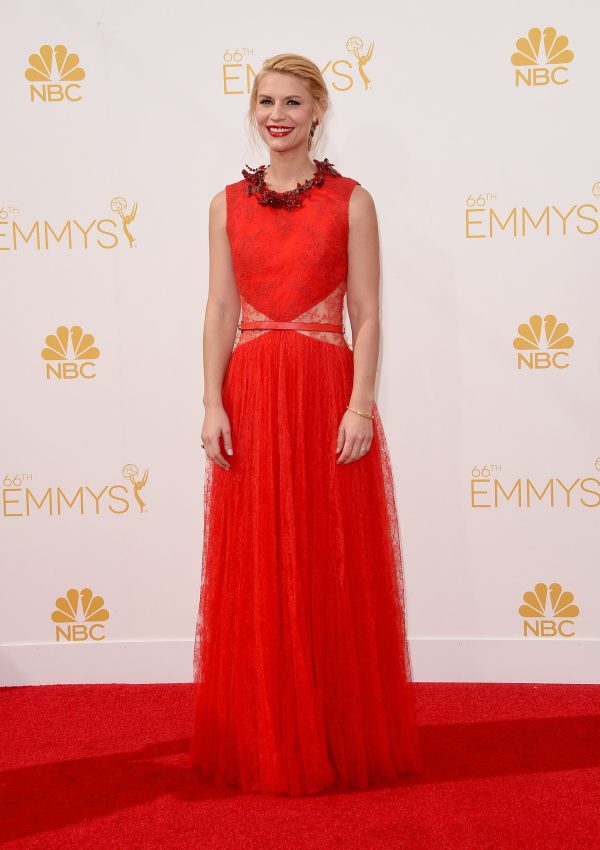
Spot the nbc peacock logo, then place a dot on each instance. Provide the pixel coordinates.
(541, 58)
(548, 611)
(543, 343)
(54, 75)
(79, 615)
(70, 353)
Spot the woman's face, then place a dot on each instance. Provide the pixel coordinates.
(284, 102)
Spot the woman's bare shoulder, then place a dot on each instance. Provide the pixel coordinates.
(361, 209)
(361, 197)
(217, 209)
(218, 203)
(219, 200)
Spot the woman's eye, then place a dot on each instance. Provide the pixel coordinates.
(262, 102)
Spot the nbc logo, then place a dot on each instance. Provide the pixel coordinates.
(548, 611)
(538, 353)
(54, 74)
(60, 361)
(531, 64)
(79, 615)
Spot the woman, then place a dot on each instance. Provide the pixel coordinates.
(301, 665)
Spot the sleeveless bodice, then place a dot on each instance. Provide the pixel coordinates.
(291, 264)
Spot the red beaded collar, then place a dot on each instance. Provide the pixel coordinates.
(255, 185)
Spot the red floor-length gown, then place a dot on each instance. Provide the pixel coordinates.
(301, 664)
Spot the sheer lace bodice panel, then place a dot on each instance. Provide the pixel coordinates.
(291, 265)
(329, 310)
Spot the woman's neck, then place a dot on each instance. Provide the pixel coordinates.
(286, 170)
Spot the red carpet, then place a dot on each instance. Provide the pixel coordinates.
(103, 766)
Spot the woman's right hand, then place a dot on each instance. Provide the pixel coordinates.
(216, 423)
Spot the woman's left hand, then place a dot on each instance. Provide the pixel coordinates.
(355, 433)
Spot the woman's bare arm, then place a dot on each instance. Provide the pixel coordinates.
(363, 310)
(363, 295)
(220, 327)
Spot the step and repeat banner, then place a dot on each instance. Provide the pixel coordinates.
(477, 133)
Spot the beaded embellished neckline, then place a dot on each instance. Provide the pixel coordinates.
(293, 198)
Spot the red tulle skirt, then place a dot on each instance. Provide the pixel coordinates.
(301, 665)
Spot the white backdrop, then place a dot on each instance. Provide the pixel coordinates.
(486, 179)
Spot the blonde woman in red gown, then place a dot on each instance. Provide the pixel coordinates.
(301, 663)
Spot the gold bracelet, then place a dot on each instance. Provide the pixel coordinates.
(360, 412)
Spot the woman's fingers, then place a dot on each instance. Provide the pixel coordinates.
(351, 450)
(227, 441)
(213, 451)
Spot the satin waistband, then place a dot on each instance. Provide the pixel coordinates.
(271, 324)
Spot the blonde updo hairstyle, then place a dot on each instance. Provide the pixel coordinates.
(309, 73)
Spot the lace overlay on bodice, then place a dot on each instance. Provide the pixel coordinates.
(328, 311)
(291, 265)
